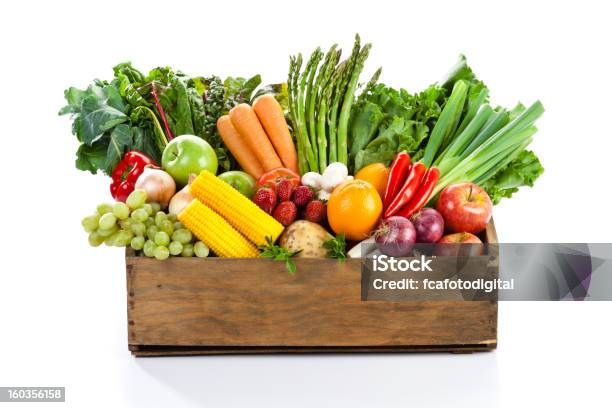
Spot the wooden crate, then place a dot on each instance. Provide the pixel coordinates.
(186, 306)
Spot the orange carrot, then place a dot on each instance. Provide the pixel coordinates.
(272, 119)
(238, 146)
(246, 123)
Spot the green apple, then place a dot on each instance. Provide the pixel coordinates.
(188, 154)
(241, 181)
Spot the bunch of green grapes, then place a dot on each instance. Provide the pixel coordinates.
(144, 227)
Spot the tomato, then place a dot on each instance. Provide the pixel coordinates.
(272, 177)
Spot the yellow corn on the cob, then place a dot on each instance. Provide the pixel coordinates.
(238, 210)
(215, 232)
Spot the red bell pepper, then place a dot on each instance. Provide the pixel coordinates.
(411, 184)
(127, 172)
(422, 195)
(397, 175)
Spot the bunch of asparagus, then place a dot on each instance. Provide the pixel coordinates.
(320, 101)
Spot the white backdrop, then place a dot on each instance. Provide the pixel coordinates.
(62, 303)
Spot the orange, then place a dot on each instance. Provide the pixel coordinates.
(353, 209)
(375, 174)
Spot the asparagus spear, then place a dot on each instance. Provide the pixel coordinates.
(291, 92)
(323, 82)
(347, 103)
(336, 83)
(301, 115)
(371, 83)
(310, 142)
(311, 94)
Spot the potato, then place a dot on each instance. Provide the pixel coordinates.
(307, 236)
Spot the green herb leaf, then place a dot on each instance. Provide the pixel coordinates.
(336, 247)
(278, 253)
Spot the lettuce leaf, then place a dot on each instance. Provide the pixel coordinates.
(522, 171)
(385, 121)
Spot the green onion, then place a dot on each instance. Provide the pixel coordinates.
(447, 122)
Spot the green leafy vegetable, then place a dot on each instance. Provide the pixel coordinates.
(142, 112)
(386, 121)
(278, 253)
(336, 247)
(104, 127)
(522, 171)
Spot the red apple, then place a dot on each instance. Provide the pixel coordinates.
(465, 207)
(459, 244)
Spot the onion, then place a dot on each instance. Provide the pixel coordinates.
(395, 236)
(158, 184)
(429, 225)
(181, 199)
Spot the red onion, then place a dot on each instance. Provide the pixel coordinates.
(429, 225)
(395, 236)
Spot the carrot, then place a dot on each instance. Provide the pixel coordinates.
(238, 146)
(272, 119)
(246, 123)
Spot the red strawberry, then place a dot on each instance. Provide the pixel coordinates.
(285, 213)
(302, 195)
(265, 198)
(316, 211)
(284, 189)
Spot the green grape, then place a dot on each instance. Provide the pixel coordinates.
(104, 208)
(107, 221)
(182, 235)
(95, 239)
(161, 238)
(139, 215)
(121, 211)
(123, 238)
(148, 208)
(111, 239)
(138, 228)
(167, 226)
(200, 249)
(178, 225)
(159, 217)
(125, 224)
(107, 232)
(175, 248)
(148, 248)
(172, 217)
(151, 231)
(90, 223)
(136, 199)
(161, 253)
(156, 207)
(150, 221)
(187, 250)
(137, 243)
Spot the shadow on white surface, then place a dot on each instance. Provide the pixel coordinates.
(305, 380)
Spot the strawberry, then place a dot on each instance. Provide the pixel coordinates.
(284, 189)
(316, 211)
(302, 195)
(285, 212)
(265, 198)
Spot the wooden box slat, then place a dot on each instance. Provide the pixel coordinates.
(220, 305)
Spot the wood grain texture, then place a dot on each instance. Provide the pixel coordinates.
(220, 305)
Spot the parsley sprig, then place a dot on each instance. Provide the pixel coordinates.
(278, 253)
(336, 247)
